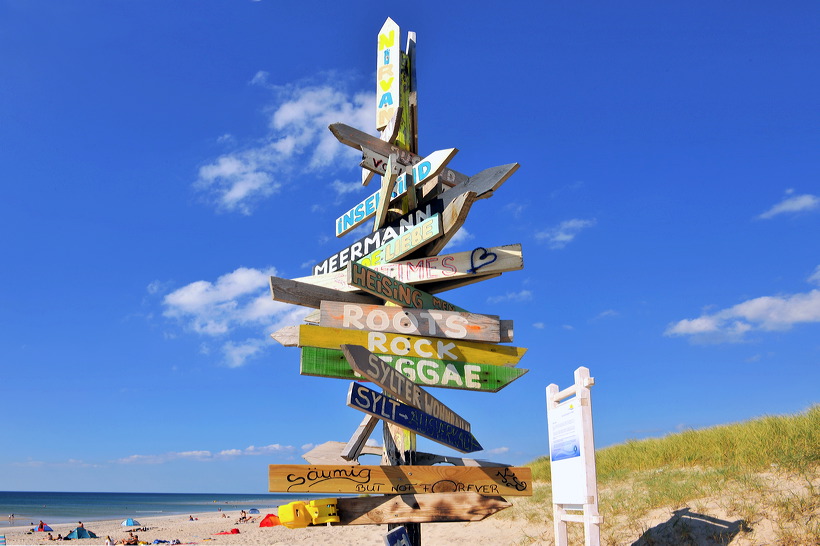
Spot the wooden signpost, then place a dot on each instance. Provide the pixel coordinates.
(389, 289)
(401, 345)
(418, 508)
(424, 341)
(430, 372)
(410, 418)
(460, 265)
(371, 242)
(399, 386)
(403, 181)
(352, 479)
(407, 242)
(418, 322)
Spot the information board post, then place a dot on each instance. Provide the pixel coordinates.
(572, 459)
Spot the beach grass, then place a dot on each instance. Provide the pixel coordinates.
(760, 473)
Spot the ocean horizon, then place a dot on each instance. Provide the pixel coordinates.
(30, 507)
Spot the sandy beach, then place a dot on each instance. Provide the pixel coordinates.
(204, 529)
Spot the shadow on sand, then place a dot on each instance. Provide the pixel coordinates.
(688, 528)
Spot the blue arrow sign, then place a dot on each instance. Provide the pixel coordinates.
(410, 418)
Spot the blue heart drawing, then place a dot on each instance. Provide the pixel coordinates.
(484, 254)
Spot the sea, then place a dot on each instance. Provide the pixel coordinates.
(29, 507)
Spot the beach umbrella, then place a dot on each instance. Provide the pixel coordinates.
(271, 520)
(253, 511)
(130, 522)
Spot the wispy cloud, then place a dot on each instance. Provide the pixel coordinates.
(237, 300)
(766, 313)
(521, 296)
(792, 204)
(462, 236)
(205, 455)
(297, 141)
(564, 233)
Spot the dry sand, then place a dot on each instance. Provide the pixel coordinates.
(203, 531)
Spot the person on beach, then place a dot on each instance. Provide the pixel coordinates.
(108, 541)
(80, 524)
(50, 537)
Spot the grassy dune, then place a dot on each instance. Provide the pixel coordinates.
(756, 482)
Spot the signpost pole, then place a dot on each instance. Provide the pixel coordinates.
(400, 444)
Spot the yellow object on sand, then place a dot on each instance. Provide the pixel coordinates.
(298, 514)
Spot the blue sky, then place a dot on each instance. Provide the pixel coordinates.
(161, 159)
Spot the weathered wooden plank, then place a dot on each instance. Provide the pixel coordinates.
(413, 419)
(407, 345)
(408, 177)
(388, 182)
(388, 66)
(421, 508)
(404, 479)
(453, 217)
(357, 442)
(360, 140)
(308, 295)
(389, 289)
(409, 241)
(369, 243)
(418, 322)
(459, 265)
(330, 453)
(422, 371)
(400, 386)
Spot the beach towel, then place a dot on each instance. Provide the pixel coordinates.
(231, 532)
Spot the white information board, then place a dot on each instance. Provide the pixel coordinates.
(567, 463)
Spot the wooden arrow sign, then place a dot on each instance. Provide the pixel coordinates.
(421, 508)
(308, 295)
(360, 140)
(418, 174)
(389, 289)
(409, 241)
(459, 265)
(422, 371)
(401, 345)
(457, 201)
(410, 418)
(391, 480)
(417, 322)
(399, 386)
(371, 242)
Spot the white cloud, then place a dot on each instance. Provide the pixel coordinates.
(766, 313)
(792, 204)
(236, 300)
(205, 455)
(539, 325)
(297, 142)
(564, 233)
(815, 277)
(343, 188)
(461, 237)
(523, 295)
(497, 451)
